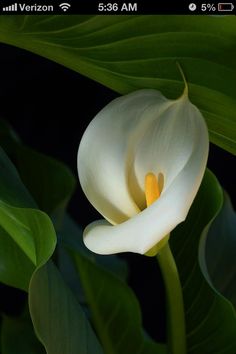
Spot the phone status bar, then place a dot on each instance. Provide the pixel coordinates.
(94, 7)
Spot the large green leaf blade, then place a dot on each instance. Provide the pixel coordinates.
(218, 252)
(115, 311)
(27, 236)
(210, 317)
(131, 52)
(49, 181)
(71, 236)
(57, 317)
(27, 239)
(15, 267)
(12, 190)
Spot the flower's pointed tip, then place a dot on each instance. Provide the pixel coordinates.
(185, 92)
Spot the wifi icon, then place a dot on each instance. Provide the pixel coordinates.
(65, 6)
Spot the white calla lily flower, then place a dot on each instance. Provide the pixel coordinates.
(141, 162)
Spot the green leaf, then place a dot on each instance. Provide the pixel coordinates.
(17, 337)
(12, 190)
(15, 267)
(27, 236)
(49, 181)
(218, 252)
(57, 317)
(126, 53)
(111, 302)
(71, 235)
(210, 318)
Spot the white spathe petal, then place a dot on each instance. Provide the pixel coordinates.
(142, 232)
(169, 142)
(136, 134)
(105, 150)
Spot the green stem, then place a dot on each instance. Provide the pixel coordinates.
(175, 306)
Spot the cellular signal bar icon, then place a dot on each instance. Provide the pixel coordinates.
(12, 7)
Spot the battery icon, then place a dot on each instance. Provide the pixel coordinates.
(225, 6)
